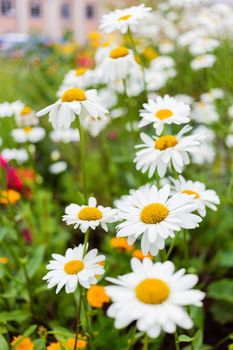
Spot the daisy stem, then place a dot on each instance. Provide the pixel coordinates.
(82, 151)
(164, 254)
(145, 342)
(186, 248)
(136, 53)
(177, 344)
(171, 247)
(78, 319)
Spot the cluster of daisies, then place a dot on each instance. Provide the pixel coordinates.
(153, 294)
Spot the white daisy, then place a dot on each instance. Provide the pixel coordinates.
(19, 155)
(58, 167)
(164, 110)
(203, 61)
(28, 134)
(94, 126)
(204, 197)
(73, 269)
(91, 215)
(73, 102)
(81, 77)
(205, 113)
(154, 296)
(158, 153)
(124, 19)
(119, 64)
(66, 136)
(150, 213)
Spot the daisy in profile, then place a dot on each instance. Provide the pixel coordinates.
(158, 153)
(154, 215)
(73, 269)
(89, 216)
(73, 101)
(28, 134)
(203, 61)
(65, 135)
(154, 296)
(204, 197)
(119, 64)
(164, 110)
(124, 19)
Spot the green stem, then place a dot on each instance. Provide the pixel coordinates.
(177, 344)
(164, 254)
(145, 342)
(28, 288)
(78, 321)
(83, 164)
(186, 248)
(171, 247)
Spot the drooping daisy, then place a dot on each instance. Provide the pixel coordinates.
(203, 61)
(91, 215)
(204, 197)
(164, 110)
(94, 126)
(150, 213)
(119, 64)
(73, 269)
(28, 134)
(124, 19)
(154, 296)
(66, 136)
(74, 101)
(158, 153)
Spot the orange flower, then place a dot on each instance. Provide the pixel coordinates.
(96, 296)
(4, 260)
(82, 343)
(53, 346)
(9, 196)
(121, 244)
(138, 254)
(25, 344)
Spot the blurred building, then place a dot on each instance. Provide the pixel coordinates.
(51, 18)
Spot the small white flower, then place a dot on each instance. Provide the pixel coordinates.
(158, 153)
(207, 154)
(124, 19)
(20, 155)
(212, 95)
(28, 134)
(150, 213)
(58, 167)
(6, 110)
(204, 113)
(91, 215)
(203, 61)
(74, 268)
(25, 116)
(164, 110)
(81, 77)
(94, 126)
(198, 192)
(119, 64)
(203, 45)
(154, 296)
(73, 102)
(65, 135)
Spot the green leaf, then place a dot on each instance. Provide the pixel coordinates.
(198, 341)
(221, 290)
(19, 316)
(36, 261)
(3, 343)
(222, 312)
(30, 330)
(225, 258)
(185, 339)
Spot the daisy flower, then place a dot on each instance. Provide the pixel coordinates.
(74, 101)
(81, 77)
(73, 269)
(204, 197)
(203, 61)
(151, 214)
(28, 134)
(164, 110)
(159, 152)
(124, 19)
(119, 64)
(65, 135)
(154, 296)
(19, 155)
(25, 116)
(89, 216)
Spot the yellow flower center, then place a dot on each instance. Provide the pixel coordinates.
(89, 214)
(154, 213)
(152, 291)
(27, 129)
(119, 52)
(106, 44)
(191, 192)
(73, 267)
(74, 94)
(165, 142)
(26, 110)
(124, 18)
(81, 71)
(164, 114)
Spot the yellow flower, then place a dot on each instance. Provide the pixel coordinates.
(53, 346)
(121, 244)
(96, 296)
(138, 254)
(25, 344)
(82, 343)
(9, 196)
(4, 260)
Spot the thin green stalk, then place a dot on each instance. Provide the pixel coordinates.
(164, 254)
(28, 284)
(171, 247)
(145, 342)
(78, 321)
(186, 248)
(177, 344)
(83, 163)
